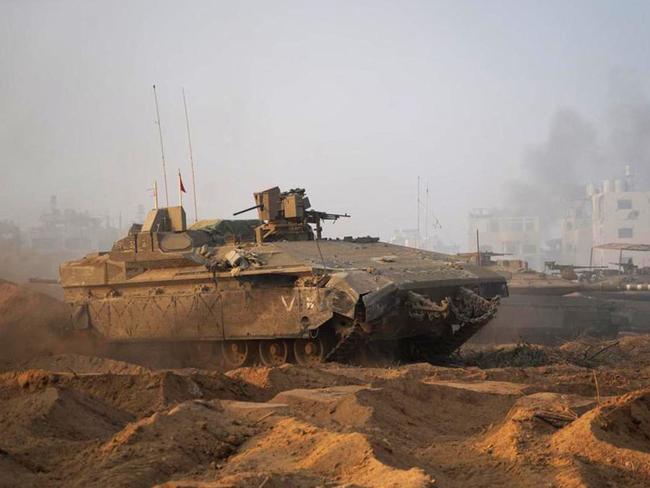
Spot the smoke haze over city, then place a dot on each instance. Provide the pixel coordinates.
(505, 103)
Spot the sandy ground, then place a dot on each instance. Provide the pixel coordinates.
(515, 416)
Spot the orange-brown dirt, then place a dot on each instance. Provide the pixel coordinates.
(579, 418)
(28, 322)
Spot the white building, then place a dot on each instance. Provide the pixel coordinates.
(622, 215)
(613, 212)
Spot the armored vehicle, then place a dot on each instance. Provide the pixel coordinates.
(628, 287)
(546, 308)
(272, 290)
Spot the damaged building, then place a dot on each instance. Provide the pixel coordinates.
(499, 232)
(613, 211)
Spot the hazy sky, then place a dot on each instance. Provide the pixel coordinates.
(349, 99)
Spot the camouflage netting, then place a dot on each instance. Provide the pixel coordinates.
(244, 229)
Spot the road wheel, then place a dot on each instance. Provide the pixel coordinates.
(236, 354)
(309, 351)
(274, 352)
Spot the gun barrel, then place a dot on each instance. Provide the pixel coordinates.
(328, 216)
(248, 209)
(44, 281)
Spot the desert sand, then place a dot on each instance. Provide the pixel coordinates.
(513, 416)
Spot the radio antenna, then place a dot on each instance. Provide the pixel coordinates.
(162, 147)
(189, 143)
(417, 236)
(426, 216)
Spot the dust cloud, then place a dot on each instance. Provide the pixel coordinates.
(352, 101)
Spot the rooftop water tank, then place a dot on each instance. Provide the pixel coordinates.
(619, 186)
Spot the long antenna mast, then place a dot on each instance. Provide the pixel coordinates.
(189, 142)
(417, 237)
(426, 216)
(162, 148)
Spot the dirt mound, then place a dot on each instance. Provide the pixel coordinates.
(171, 442)
(29, 322)
(628, 350)
(14, 473)
(21, 307)
(293, 446)
(529, 423)
(137, 394)
(43, 427)
(52, 423)
(271, 381)
(400, 411)
(254, 480)
(62, 412)
(616, 436)
(627, 424)
(85, 421)
(374, 374)
(80, 364)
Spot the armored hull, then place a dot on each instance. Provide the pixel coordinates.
(304, 300)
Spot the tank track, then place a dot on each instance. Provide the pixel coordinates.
(347, 348)
(471, 312)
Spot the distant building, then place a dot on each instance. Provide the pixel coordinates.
(613, 212)
(499, 232)
(411, 238)
(70, 230)
(620, 214)
(577, 233)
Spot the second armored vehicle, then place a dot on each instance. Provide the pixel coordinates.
(545, 308)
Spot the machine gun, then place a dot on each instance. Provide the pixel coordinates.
(287, 216)
(626, 267)
(568, 271)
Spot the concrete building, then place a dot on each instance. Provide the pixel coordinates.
(576, 237)
(620, 214)
(518, 237)
(612, 212)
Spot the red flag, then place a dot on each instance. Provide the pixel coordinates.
(180, 181)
